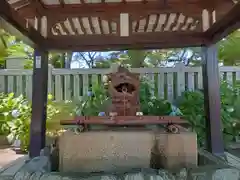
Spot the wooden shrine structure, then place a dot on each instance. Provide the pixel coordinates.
(91, 25)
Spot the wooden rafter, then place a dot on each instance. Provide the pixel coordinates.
(89, 26)
(191, 9)
(113, 8)
(226, 25)
(11, 16)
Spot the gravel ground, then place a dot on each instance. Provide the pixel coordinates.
(235, 152)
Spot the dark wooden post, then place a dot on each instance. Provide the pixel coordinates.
(211, 85)
(39, 102)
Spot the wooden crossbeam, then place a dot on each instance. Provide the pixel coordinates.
(62, 9)
(141, 41)
(11, 16)
(69, 10)
(226, 25)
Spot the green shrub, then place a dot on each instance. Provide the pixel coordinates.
(151, 105)
(98, 101)
(191, 104)
(15, 117)
(15, 112)
(10, 105)
(94, 102)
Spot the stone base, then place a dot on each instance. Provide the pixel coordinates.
(113, 150)
(104, 151)
(206, 173)
(175, 151)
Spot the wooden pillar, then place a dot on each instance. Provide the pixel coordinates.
(211, 86)
(39, 102)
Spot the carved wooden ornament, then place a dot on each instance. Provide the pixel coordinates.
(124, 91)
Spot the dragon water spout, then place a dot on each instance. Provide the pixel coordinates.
(124, 92)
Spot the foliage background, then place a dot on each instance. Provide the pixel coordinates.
(190, 105)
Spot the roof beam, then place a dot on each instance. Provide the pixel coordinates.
(38, 6)
(135, 41)
(11, 16)
(226, 25)
(191, 9)
(19, 4)
(33, 8)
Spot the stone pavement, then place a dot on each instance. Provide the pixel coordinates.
(38, 168)
(7, 156)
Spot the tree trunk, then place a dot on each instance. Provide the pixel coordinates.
(68, 59)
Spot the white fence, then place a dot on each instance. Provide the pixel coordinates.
(67, 84)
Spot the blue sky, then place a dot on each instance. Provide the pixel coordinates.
(77, 64)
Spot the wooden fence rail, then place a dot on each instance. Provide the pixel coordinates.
(70, 84)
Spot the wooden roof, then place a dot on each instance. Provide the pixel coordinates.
(122, 24)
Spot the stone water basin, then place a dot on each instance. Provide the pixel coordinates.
(106, 151)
